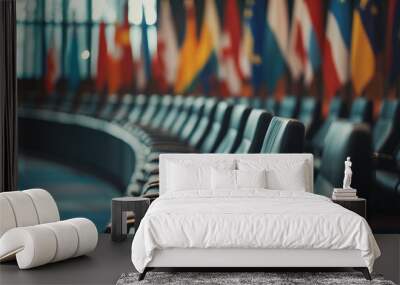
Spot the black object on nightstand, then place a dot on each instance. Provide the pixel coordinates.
(119, 208)
(358, 206)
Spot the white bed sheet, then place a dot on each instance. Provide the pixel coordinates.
(252, 218)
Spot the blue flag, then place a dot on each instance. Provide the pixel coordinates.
(74, 77)
(255, 17)
(146, 52)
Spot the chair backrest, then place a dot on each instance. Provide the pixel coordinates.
(244, 101)
(26, 208)
(138, 109)
(218, 127)
(194, 118)
(205, 123)
(173, 114)
(386, 132)
(284, 136)
(257, 103)
(126, 105)
(238, 120)
(346, 139)
(310, 114)
(165, 107)
(151, 110)
(183, 116)
(337, 109)
(361, 111)
(271, 105)
(109, 106)
(254, 132)
(289, 107)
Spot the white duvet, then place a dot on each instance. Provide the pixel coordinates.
(250, 219)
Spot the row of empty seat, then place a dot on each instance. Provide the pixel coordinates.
(166, 123)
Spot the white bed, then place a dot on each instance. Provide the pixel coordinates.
(249, 227)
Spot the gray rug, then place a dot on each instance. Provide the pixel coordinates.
(229, 278)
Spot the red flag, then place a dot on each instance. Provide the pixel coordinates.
(127, 64)
(230, 61)
(158, 70)
(102, 60)
(51, 69)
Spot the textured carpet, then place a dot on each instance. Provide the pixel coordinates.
(268, 278)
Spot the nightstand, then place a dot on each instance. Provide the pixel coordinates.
(358, 206)
(119, 208)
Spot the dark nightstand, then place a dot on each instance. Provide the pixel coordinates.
(358, 206)
(119, 208)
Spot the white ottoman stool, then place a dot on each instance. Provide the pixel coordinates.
(31, 232)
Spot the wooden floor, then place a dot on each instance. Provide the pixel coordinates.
(103, 266)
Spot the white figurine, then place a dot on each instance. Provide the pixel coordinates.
(347, 174)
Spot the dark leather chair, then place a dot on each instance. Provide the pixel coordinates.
(218, 128)
(289, 107)
(271, 105)
(244, 101)
(337, 109)
(257, 103)
(234, 135)
(254, 132)
(386, 131)
(137, 110)
(121, 115)
(162, 112)
(111, 104)
(177, 106)
(386, 195)
(361, 111)
(310, 115)
(284, 136)
(204, 124)
(346, 139)
(151, 110)
(183, 116)
(193, 119)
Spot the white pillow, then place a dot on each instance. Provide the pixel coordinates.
(251, 179)
(181, 177)
(225, 179)
(185, 174)
(280, 175)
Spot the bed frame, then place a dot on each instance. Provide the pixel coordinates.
(242, 258)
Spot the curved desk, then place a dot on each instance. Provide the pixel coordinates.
(98, 146)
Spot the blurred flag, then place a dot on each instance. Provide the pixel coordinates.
(158, 70)
(167, 46)
(297, 53)
(313, 25)
(363, 44)
(123, 41)
(208, 50)
(276, 42)
(257, 24)
(73, 62)
(231, 73)
(102, 60)
(337, 46)
(52, 70)
(114, 63)
(393, 42)
(144, 73)
(187, 69)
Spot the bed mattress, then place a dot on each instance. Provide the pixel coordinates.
(250, 219)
